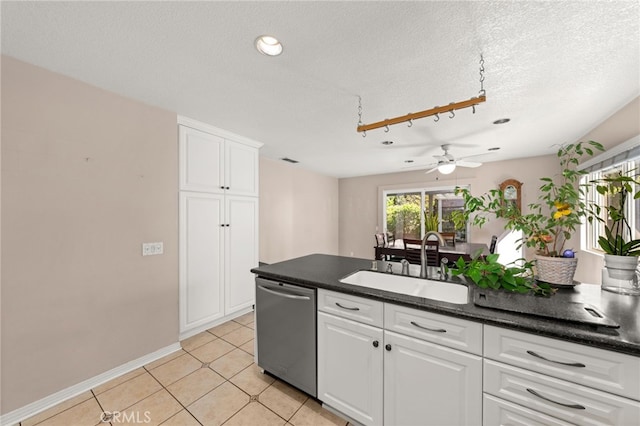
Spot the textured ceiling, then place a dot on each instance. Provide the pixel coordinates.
(557, 69)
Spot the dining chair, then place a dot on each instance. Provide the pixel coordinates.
(449, 237)
(412, 251)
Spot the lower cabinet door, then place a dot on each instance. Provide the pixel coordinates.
(429, 384)
(350, 374)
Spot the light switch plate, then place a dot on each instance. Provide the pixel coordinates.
(152, 249)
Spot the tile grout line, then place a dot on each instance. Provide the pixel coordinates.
(211, 390)
(174, 397)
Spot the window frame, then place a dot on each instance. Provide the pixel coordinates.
(422, 190)
(626, 156)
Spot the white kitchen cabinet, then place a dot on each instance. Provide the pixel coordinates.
(241, 251)
(377, 376)
(350, 368)
(201, 260)
(570, 382)
(218, 225)
(211, 161)
(429, 384)
(496, 411)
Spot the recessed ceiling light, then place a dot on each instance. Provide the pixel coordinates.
(502, 121)
(495, 148)
(268, 45)
(387, 142)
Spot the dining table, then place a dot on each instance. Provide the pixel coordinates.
(451, 252)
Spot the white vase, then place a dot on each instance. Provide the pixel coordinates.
(620, 274)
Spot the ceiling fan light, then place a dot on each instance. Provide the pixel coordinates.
(446, 169)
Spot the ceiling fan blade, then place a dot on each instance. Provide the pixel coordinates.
(472, 164)
(431, 170)
(419, 166)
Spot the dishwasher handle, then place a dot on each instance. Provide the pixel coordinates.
(281, 294)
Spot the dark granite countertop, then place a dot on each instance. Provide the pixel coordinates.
(325, 271)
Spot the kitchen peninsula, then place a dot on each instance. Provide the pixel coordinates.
(385, 361)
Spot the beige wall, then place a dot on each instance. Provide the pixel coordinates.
(361, 197)
(87, 176)
(298, 212)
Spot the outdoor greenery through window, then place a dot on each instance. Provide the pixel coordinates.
(593, 231)
(410, 214)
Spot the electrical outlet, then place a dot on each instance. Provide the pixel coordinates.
(152, 249)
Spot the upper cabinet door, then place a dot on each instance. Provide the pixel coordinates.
(201, 161)
(241, 169)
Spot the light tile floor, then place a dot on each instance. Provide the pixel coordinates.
(211, 381)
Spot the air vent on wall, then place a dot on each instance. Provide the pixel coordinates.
(289, 160)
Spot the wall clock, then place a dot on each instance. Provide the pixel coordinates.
(512, 192)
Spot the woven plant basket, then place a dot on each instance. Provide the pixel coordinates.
(556, 270)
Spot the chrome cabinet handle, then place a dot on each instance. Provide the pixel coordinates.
(570, 364)
(288, 296)
(575, 406)
(435, 330)
(346, 307)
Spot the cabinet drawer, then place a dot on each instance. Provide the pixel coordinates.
(598, 368)
(496, 411)
(442, 329)
(558, 398)
(356, 308)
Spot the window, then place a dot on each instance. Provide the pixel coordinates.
(624, 158)
(407, 213)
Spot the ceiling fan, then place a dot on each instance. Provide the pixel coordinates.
(447, 163)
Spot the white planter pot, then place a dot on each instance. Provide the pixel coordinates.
(621, 267)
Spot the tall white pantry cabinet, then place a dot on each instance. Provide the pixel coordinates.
(218, 225)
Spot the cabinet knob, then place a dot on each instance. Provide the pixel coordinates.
(388, 347)
(375, 343)
(222, 187)
(227, 187)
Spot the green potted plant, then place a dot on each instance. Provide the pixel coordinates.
(431, 221)
(621, 249)
(550, 222)
(486, 272)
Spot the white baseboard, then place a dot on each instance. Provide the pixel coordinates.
(34, 408)
(193, 331)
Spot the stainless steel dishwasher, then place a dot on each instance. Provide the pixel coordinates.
(286, 332)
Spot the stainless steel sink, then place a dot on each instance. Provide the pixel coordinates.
(412, 286)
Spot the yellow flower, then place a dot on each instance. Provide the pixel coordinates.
(563, 209)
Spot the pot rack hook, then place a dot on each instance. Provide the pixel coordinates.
(410, 123)
(437, 117)
(453, 114)
(386, 128)
(473, 108)
(364, 134)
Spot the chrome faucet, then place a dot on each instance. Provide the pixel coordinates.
(423, 256)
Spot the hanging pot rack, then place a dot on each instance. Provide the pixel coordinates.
(453, 106)
(422, 114)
